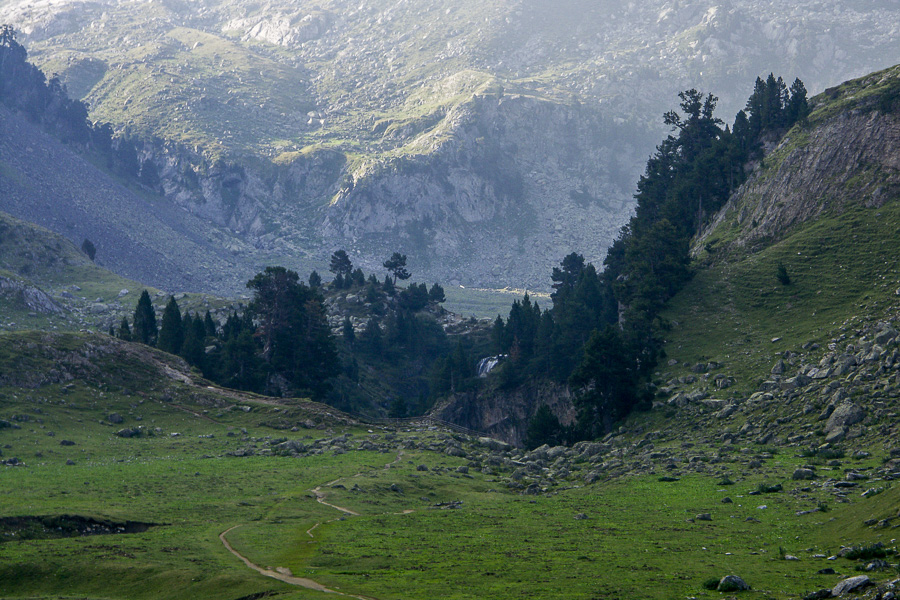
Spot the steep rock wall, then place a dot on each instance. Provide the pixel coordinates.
(492, 193)
(505, 415)
(853, 153)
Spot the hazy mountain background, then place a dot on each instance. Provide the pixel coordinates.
(484, 139)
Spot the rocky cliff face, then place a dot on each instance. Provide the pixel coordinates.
(381, 150)
(505, 415)
(509, 185)
(493, 192)
(848, 153)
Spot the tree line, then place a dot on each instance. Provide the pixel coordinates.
(281, 344)
(603, 332)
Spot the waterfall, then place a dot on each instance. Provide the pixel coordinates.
(486, 364)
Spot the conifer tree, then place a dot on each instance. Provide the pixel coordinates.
(194, 340)
(347, 332)
(396, 264)
(171, 333)
(124, 332)
(340, 264)
(210, 325)
(145, 329)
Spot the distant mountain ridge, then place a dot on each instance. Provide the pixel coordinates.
(372, 92)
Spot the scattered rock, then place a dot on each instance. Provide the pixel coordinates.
(732, 583)
(802, 474)
(851, 584)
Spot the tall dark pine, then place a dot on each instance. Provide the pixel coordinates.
(293, 327)
(145, 330)
(171, 333)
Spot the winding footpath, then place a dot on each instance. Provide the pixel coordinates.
(283, 574)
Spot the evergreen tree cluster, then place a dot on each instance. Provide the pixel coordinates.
(281, 344)
(602, 334)
(25, 89)
(401, 341)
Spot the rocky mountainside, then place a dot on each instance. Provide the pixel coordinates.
(847, 154)
(134, 232)
(483, 139)
(823, 205)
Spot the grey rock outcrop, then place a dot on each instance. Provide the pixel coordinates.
(851, 584)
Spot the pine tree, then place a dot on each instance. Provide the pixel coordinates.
(124, 332)
(347, 332)
(396, 264)
(436, 294)
(210, 325)
(145, 330)
(315, 280)
(798, 106)
(171, 333)
(340, 264)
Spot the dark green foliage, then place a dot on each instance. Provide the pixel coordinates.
(171, 333)
(396, 264)
(87, 246)
(711, 584)
(372, 338)
(292, 326)
(398, 408)
(414, 297)
(544, 428)
(767, 488)
(608, 377)
(193, 347)
(436, 294)
(315, 281)
(781, 274)
(145, 330)
(347, 332)
(209, 325)
(124, 332)
(358, 278)
(772, 107)
(876, 550)
(340, 264)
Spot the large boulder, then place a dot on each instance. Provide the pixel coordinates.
(732, 583)
(850, 585)
(845, 415)
(802, 474)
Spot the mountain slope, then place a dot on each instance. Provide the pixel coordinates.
(382, 110)
(136, 234)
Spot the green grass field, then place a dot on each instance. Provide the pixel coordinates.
(423, 530)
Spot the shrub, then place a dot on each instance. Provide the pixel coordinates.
(876, 550)
(711, 584)
(87, 246)
(782, 275)
(765, 488)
